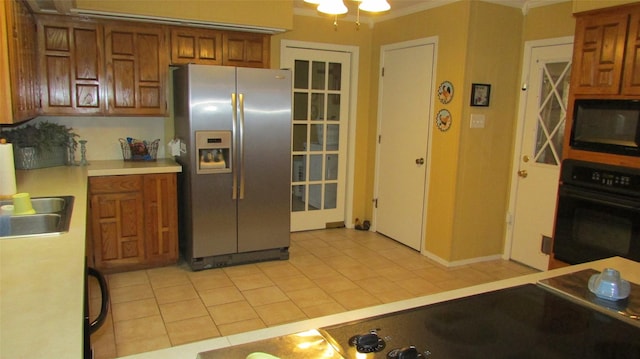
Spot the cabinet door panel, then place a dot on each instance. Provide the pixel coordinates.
(71, 66)
(245, 49)
(149, 66)
(598, 54)
(124, 84)
(121, 43)
(196, 46)
(117, 229)
(87, 54)
(149, 97)
(161, 224)
(57, 38)
(88, 96)
(137, 69)
(59, 86)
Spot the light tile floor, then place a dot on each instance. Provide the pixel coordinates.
(329, 271)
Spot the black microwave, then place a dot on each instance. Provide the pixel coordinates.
(609, 126)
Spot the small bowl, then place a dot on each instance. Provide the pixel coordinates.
(609, 285)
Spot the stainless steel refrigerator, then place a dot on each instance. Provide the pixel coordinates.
(235, 185)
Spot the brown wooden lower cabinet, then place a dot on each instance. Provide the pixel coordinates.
(133, 221)
(554, 263)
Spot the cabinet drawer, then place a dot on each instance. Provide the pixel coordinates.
(113, 184)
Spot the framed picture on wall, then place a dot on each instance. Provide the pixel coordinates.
(480, 94)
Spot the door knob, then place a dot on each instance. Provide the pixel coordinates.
(419, 161)
(523, 173)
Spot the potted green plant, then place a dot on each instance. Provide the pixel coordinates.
(44, 144)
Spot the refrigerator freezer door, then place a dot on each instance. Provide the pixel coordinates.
(213, 209)
(265, 159)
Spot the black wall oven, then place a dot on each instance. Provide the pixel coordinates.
(598, 213)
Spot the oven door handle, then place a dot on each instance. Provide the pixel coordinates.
(596, 197)
(104, 294)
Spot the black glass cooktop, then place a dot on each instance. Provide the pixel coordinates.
(519, 322)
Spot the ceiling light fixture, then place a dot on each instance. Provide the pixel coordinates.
(337, 7)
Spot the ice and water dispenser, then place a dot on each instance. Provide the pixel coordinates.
(214, 151)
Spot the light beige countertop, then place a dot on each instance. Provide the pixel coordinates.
(118, 167)
(42, 278)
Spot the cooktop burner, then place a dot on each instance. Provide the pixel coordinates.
(519, 322)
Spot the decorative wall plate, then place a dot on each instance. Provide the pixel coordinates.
(445, 92)
(443, 120)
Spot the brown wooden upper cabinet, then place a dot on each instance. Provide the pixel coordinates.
(605, 55)
(18, 68)
(137, 69)
(196, 46)
(245, 49)
(216, 47)
(71, 66)
(78, 66)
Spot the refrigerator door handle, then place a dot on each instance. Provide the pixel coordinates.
(241, 145)
(234, 122)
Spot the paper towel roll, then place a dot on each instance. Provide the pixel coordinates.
(7, 171)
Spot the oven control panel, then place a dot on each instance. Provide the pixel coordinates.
(600, 175)
(610, 179)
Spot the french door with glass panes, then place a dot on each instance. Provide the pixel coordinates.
(319, 138)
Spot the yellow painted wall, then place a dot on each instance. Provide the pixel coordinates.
(320, 29)
(537, 22)
(484, 163)
(272, 14)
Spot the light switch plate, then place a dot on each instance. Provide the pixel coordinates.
(477, 121)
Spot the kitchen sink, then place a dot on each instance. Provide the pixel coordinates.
(53, 215)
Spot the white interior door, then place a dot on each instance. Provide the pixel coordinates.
(538, 162)
(321, 97)
(406, 87)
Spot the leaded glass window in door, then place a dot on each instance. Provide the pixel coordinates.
(552, 112)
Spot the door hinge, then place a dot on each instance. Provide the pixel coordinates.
(375, 203)
(382, 72)
(379, 139)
